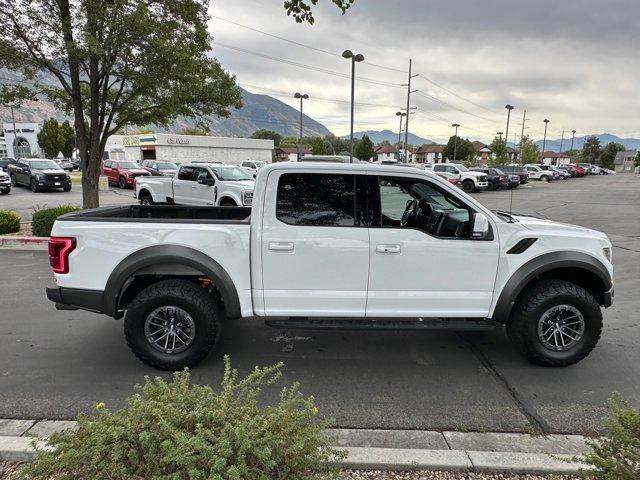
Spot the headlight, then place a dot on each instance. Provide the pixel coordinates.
(607, 253)
(39, 176)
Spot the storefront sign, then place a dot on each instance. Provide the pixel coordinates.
(178, 141)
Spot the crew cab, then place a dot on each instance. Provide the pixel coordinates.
(199, 184)
(330, 245)
(469, 181)
(160, 167)
(252, 166)
(39, 174)
(123, 173)
(537, 173)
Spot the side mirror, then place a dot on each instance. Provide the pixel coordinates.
(207, 181)
(480, 226)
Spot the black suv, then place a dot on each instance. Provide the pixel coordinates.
(39, 174)
(5, 162)
(516, 170)
(497, 179)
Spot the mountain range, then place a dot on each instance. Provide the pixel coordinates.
(378, 136)
(554, 145)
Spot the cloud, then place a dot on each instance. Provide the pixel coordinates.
(573, 61)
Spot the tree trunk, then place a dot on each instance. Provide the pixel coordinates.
(90, 179)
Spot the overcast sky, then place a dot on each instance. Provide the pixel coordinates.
(576, 62)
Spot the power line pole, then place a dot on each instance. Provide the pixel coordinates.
(561, 142)
(506, 132)
(409, 92)
(455, 141)
(544, 139)
(524, 119)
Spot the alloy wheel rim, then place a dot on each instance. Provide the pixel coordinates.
(561, 327)
(169, 329)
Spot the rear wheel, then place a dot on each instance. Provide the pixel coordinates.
(172, 324)
(146, 199)
(468, 186)
(555, 323)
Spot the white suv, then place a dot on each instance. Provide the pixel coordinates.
(469, 181)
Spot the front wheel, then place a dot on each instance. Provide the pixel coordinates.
(122, 183)
(5, 191)
(544, 178)
(468, 186)
(34, 186)
(67, 189)
(172, 324)
(555, 323)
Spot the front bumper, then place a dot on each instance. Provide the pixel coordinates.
(5, 183)
(482, 185)
(76, 299)
(46, 183)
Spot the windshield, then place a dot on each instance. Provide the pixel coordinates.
(259, 164)
(498, 171)
(43, 164)
(461, 167)
(231, 173)
(167, 165)
(128, 165)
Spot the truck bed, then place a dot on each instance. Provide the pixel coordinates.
(162, 214)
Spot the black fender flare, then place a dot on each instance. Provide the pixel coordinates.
(543, 264)
(171, 254)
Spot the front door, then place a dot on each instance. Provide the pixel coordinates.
(315, 245)
(423, 260)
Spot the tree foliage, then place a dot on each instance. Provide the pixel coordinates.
(202, 131)
(265, 134)
(530, 151)
(67, 139)
(591, 149)
(335, 145)
(317, 146)
(364, 148)
(119, 62)
(49, 138)
(301, 10)
(637, 159)
(463, 149)
(609, 153)
(499, 150)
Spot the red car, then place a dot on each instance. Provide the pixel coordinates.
(580, 171)
(123, 173)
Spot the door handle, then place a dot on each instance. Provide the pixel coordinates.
(394, 248)
(281, 246)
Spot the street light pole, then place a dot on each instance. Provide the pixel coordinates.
(544, 139)
(573, 136)
(301, 97)
(455, 141)
(506, 132)
(15, 135)
(400, 114)
(561, 142)
(500, 135)
(354, 58)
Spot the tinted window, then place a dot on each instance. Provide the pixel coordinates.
(187, 173)
(200, 172)
(316, 199)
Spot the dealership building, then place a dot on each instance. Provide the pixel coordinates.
(20, 140)
(188, 148)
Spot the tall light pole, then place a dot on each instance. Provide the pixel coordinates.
(301, 97)
(561, 143)
(455, 141)
(400, 114)
(544, 139)
(506, 132)
(500, 135)
(573, 136)
(15, 135)
(354, 58)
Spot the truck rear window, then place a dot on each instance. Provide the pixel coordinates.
(316, 199)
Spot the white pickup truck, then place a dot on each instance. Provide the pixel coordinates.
(470, 181)
(198, 184)
(334, 246)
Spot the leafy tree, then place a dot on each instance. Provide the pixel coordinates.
(530, 151)
(609, 153)
(268, 135)
(317, 146)
(637, 160)
(384, 143)
(49, 138)
(289, 142)
(119, 62)
(464, 149)
(591, 149)
(336, 144)
(195, 131)
(499, 150)
(364, 148)
(301, 10)
(67, 139)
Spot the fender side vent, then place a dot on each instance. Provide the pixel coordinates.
(521, 246)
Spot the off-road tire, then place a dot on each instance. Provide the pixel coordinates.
(468, 186)
(530, 306)
(189, 296)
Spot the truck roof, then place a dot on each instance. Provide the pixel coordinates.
(357, 167)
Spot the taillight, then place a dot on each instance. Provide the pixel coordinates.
(59, 250)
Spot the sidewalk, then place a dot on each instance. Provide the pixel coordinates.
(387, 449)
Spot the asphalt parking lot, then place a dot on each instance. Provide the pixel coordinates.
(25, 202)
(54, 364)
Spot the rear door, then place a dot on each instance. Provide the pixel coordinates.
(315, 245)
(183, 183)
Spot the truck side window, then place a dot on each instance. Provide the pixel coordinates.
(317, 199)
(187, 173)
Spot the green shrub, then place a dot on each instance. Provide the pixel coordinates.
(42, 220)
(9, 222)
(617, 455)
(180, 431)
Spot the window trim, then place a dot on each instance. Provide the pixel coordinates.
(361, 211)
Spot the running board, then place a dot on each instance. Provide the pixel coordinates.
(460, 324)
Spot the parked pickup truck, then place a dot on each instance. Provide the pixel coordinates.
(199, 184)
(330, 245)
(469, 181)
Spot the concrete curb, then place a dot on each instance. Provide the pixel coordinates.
(395, 450)
(10, 242)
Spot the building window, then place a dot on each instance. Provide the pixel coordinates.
(21, 147)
